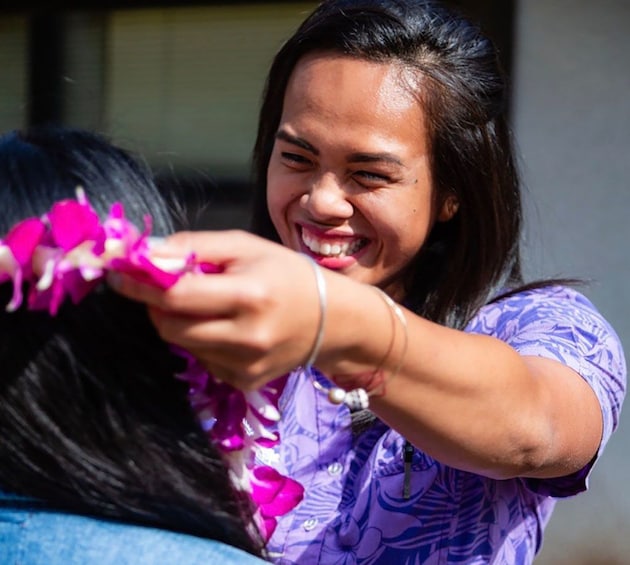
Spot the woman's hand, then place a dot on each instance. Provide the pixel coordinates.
(251, 323)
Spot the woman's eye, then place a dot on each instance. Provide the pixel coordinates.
(295, 159)
(372, 177)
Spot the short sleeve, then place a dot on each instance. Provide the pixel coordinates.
(561, 324)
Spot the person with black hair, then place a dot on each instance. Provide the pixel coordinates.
(103, 458)
(437, 406)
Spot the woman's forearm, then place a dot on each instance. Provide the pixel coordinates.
(470, 401)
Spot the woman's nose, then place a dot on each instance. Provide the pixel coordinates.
(327, 199)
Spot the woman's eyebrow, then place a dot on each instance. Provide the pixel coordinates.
(374, 158)
(352, 158)
(295, 140)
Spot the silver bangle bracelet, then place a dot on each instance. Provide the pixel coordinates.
(321, 293)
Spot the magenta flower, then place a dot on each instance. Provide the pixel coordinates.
(274, 495)
(239, 423)
(24, 238)
(237, 418)
(16, 254)
(73, 222)
(67, 252)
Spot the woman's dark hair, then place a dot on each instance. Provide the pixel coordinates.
(92, 418)
(469, 259)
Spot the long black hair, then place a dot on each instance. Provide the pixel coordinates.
(92, 419)
(463, 91)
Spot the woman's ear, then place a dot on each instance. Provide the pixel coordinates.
(449, 208)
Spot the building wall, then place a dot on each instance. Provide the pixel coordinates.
(572, 121)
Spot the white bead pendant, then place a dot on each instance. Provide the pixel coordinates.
(356, 399)
(337, 395)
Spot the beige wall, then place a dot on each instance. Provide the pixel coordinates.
(572, 120)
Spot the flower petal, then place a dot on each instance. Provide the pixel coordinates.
(143, 270)
(266, 484)
(268, 527)
(24, 238)
(274, 493)
(72, 223)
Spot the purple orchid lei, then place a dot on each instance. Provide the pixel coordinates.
(68, 251)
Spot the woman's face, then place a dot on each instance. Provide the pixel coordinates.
(349, 181)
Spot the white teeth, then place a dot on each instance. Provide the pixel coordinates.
(338, 249)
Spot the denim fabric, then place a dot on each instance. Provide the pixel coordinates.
(36, 537)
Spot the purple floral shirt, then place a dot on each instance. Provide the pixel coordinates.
(354, 510)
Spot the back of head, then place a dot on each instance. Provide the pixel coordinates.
(43, 165)
(92, 418)
(462, 91)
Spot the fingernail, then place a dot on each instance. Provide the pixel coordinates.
(155, 241)
(161, 246)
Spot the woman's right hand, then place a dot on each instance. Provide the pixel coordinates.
(251, 323)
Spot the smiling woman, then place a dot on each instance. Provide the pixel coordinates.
(384, 156)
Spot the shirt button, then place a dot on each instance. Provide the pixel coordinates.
(309, 524)
(335, 468)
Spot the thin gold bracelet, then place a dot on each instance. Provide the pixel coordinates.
(396, 312)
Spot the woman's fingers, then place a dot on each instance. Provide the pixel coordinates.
(251, 269)
(199, 295)
(253, 321)
(237, 353)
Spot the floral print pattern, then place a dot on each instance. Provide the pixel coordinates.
(354, 511)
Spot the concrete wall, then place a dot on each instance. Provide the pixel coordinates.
(572, 122)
